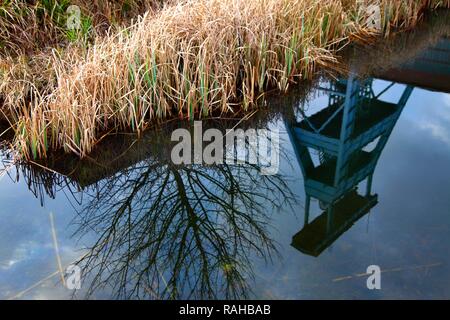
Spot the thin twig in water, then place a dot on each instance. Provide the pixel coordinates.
(55, 245)
(365, 274)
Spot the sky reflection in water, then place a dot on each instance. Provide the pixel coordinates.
(407, 233)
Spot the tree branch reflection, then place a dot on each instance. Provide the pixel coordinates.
(170, 231)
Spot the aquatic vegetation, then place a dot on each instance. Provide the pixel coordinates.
(190, 59)
(28, 26)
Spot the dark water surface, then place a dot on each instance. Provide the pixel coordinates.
(162, 231)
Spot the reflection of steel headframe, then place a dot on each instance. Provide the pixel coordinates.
(355, 117)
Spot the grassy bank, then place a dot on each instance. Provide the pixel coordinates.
(189, 59)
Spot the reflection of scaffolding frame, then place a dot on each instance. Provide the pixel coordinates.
(354, 118)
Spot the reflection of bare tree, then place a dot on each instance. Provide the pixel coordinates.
(171, 232)
(160, 230)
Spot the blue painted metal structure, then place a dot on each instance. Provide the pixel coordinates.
(339, 133)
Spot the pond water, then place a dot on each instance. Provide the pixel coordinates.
(149, 229)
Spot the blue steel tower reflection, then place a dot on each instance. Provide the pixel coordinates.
(340, 135)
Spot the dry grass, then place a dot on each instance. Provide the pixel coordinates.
(28, 26)
(194, 58)
(391, 53)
